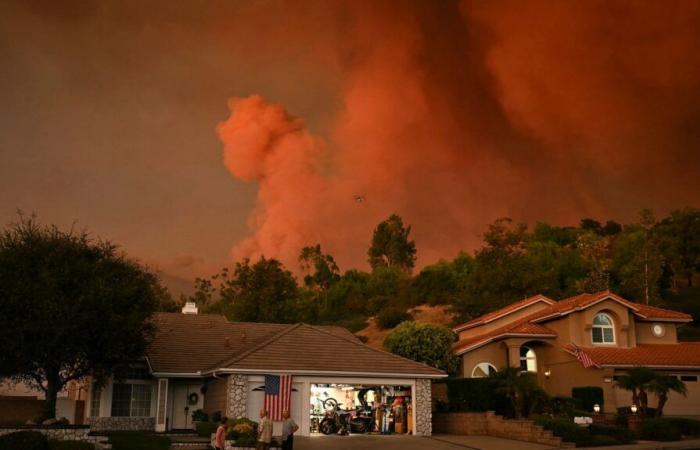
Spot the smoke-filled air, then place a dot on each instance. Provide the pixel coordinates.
(452, 114)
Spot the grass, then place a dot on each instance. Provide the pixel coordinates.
(138, 441)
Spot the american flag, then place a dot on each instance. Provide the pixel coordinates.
(278, 395)
(585, 360)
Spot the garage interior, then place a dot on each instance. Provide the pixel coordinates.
(360, 409)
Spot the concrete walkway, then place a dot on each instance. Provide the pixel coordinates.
(452, 442)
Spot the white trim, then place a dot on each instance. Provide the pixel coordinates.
(603, 328)
(491, 365)
(493, 338)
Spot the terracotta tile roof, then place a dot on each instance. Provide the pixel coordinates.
(311, 348)
(188, 343)
(683, 354)
(192, 343)
(517, 328)
(531, 324)
(583, 301)
(493, 315)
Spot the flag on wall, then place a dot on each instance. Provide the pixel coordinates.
(583, 357)
(278, 395)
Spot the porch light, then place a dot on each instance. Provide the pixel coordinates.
(633, 408)
(596, 408)
(547, 373)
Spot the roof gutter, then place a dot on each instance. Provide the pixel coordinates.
(325, 372)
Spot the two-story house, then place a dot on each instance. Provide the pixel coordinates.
(584, 340)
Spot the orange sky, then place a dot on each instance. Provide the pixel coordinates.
(193, 131)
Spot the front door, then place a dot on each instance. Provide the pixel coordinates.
(187, 398)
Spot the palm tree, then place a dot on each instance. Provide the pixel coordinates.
(662, 385)
(517, 386)
(637, 381)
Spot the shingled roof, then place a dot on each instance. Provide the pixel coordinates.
(202, 343)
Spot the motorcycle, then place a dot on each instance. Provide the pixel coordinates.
(337, 421)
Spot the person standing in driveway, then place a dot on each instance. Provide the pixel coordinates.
(264, 431)
(289, 427)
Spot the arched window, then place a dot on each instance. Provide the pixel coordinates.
(603, 331)
(483, 370)
(528, 359)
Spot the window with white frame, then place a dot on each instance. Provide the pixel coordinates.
(131, 400)
(528, 359)
(483, 370)
(603, 331)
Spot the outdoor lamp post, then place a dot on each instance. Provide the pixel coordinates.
(596, 408)
(634, 422)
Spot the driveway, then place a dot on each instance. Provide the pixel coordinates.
(374, 442)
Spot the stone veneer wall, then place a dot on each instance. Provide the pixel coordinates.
(64, 434)
(237, 397)
(490, 424)
(423, 405)
(99, 424)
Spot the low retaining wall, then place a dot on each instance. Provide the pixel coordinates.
(18, 410)
(490, 424)
(74, 433)
(101, 424)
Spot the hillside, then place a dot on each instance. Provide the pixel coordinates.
(438, 315)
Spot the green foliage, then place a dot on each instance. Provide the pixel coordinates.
(24, 440)
(566, 429)
(138, 440)
(660, 430)
(70, 307)
(521, 390)
(320, 268)
(429, 344)
(476, 394)
(70, 445)
(353, 324)
(687, 427)
(391, 317)
(199, 415)
(587, 396)
(444, 282)
(242, 430)
(260, 292)
(205, 429)
(621, 434)
(661, 386)
(391, 246)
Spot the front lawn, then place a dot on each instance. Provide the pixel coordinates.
(138, 441)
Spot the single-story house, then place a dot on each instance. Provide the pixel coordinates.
(586, 340)
(203, 361)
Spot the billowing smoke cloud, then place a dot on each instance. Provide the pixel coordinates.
(453, 114)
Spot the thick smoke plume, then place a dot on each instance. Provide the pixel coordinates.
(453, 114)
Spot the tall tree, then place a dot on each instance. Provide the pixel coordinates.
(391, 246)
(429, 344)
(595, 251)
(70, 307)
(261, 292)
(661, 386)
(320, 268)
(681, 235)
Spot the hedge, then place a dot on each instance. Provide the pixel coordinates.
(588, 396)
(476, 394)
(24, 440)
(593, 436)
(205, 429)
(660, 430)
(391, 317)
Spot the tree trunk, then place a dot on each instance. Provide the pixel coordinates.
(660, 407)
(52, 387)
(643, 400)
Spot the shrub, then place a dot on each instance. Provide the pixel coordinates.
(138, 440)
(621, 434)
(353, 324)
(205, 429)
(216, 416)
(391, 317)
(687, 427)
(200, 416)
(70, 445)
(241, 429)
(425, 343)
(475, 394)
(660, 430)
(24, 440)
(566, 429)
(587, 396)
(600, 440)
